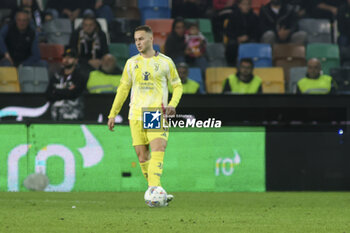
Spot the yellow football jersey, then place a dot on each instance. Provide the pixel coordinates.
(148, 79)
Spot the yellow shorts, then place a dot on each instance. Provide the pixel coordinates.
(142, 136)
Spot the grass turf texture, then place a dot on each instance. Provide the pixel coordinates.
(327, 212)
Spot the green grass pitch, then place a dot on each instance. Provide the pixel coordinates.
(280, 212)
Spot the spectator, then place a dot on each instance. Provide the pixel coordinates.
(32, 7)
(175, 45)
(343, 19)
(91, 44)
(19, 43)
(189, 86)
(222, 11)
(279, 24)
(315, 82)
(100, 8)
(326, 9)
(242, 27)
(65, 89)
(244, 82)
(195, 47)
(107, 78)
(71, 9)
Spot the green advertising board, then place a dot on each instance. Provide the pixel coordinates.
(91, 158)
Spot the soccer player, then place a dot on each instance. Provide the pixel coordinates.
(147, 74)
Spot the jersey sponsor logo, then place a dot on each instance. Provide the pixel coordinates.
(146, 75)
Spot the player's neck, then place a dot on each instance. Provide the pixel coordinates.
(149, 53)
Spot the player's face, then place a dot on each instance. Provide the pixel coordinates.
(143, 41)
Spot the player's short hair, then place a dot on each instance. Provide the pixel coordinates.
(247, 60)
(145, 28)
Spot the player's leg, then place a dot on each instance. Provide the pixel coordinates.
(141, 145)
(155, 168)
(155, 171)
(143, 154)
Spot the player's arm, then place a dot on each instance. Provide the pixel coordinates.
(122, 93)
(175, 82)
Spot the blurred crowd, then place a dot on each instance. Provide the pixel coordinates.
(86, 63)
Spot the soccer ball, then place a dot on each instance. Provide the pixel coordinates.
(36, 182)
(155, 197)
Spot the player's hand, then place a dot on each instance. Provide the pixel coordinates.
(111, 123)
(170, 111)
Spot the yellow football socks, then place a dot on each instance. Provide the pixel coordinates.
(144, 169)
(155, 168)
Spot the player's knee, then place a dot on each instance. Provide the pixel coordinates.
(159, 148)
(158, 144)
(143, 156)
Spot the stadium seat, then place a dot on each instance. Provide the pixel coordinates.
(154, 13)
(287, 56)
(133, 50)
(216, 55)
(9, 79)
(121, 53)
(196, 75)
(342, 77)
(153, 3)
(272, 79)
(328, 54)
(296, 73)
(205, 25)
(127, 12)
(51, 52)
(161, 29)
(126, 3)
(260, 53)
(318, 30)
(58, 31)
(215, 77)
(33, 79)
(160, 26)
(102, 22)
